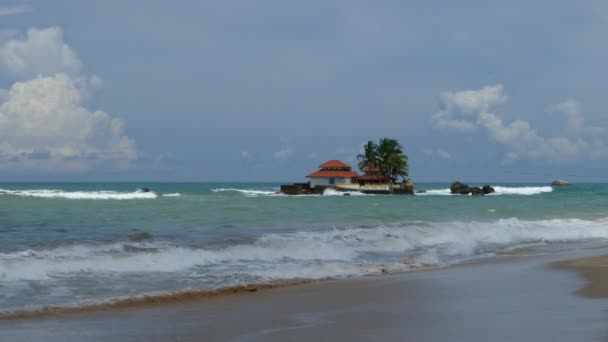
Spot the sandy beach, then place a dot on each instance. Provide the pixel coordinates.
(509, 298)
(595, 270)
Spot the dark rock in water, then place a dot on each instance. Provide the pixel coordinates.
(346, 194)
(460, 188)
(488, 189)
(559, 183)
(141, 236)
(476, 191)
(421, 191)
(457, 187)
(143, 190)
(465, 189)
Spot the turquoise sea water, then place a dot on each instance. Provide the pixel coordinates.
(69, 244)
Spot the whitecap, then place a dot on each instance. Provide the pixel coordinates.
(92, 195)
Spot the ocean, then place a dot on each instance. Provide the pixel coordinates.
(75, 244)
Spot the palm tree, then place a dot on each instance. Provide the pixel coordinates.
(391, 160)
(369, 158)
(387, 156)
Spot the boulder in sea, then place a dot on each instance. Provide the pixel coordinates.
(476, 191)
(559, 183)
(488, 189)
(464, 189)
(460, 188)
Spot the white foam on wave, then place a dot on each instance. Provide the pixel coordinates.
(526, 190)
(96, 195)
(249, 192)
(500, 190)
(306, 254)
(334, 192)
(441, 192)
(172, 195)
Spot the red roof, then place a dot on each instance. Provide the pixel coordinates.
(332, 174)
(334, 164)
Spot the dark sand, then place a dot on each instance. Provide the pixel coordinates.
(510, 298)
(595, 270)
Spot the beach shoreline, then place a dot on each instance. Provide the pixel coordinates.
(594, 269)
(464, 302)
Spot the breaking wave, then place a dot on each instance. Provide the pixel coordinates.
(306, 254)
(333, 192)
(138, 266)
(251, 193)
(94, 195)
(172, 195)
(500, 190)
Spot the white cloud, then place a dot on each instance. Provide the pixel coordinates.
(44, 117)
(41, 52)
(43, 123)
(283, 154)
(6, 11)
(466, 104)
(474, 109)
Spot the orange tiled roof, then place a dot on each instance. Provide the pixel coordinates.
(334, 164)
(332, 174)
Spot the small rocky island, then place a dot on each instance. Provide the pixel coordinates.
(464, 189)
(559, 183)
(382, 163)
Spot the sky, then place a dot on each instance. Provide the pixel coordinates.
(267, 90)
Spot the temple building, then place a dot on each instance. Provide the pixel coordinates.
(372, 175)
(331, 173)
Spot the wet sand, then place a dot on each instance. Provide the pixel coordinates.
(510, 298)
(595, 270)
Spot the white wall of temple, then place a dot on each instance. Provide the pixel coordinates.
(329, 181)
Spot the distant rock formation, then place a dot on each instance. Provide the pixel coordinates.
(559, 183)
(464, 189)
(487, 189)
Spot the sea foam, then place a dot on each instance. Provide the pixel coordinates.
(305, 254)
(249, 192)
(500, 190)
(93, 195)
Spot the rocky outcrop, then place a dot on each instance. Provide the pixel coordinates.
(559, 183)
(487, 189)
(460, 188)
(465, 189)
(476, 191)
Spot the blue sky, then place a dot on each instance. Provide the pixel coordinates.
(267, 90)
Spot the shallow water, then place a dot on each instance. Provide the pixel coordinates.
(69, 244)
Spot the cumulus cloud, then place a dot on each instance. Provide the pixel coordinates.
(457, 108)
(43, 122)
(6, 11)
(473, 109)
(43, 118)
(41, 52)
